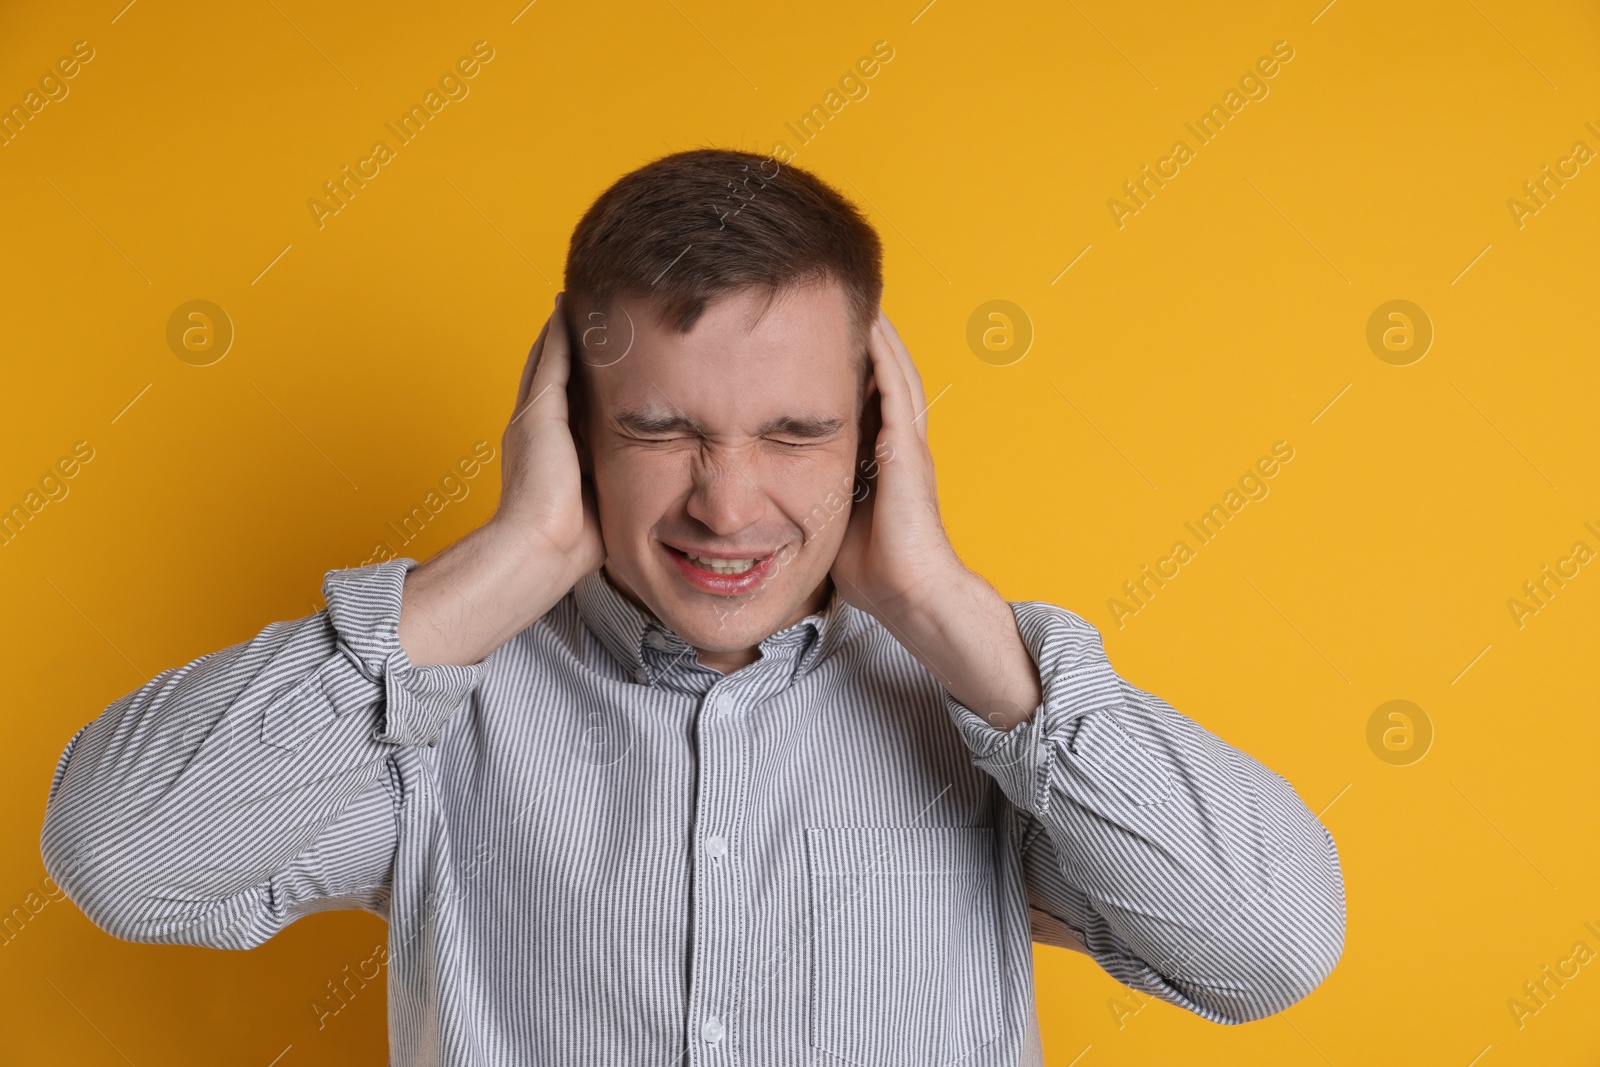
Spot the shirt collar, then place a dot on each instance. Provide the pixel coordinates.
(648, 648)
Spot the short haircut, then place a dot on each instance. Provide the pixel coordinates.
(692, 226)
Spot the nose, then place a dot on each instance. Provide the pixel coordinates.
(725, 497)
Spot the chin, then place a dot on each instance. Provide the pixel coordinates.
(732, 626)
(732, 623)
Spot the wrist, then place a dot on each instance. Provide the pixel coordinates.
(532, 548)
(522, 560)
(474, 596)
(946, 582)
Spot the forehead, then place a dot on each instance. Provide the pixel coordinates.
(750, 355)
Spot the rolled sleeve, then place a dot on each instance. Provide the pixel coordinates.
(364, 608)
(1075, 679)
(1187, 867)
(227, 797)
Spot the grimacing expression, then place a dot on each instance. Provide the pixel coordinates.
(732, 440)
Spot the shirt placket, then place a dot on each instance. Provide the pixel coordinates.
(719, 903)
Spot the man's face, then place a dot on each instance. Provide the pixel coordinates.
(737, 440)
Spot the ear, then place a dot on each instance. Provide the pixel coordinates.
(871, 422)
(578, 419)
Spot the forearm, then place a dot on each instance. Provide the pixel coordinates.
(477, 594)
(173, 812)
(966, 634)
(1202, 870)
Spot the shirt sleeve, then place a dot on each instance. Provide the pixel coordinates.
(1185, 867)
(226, 798)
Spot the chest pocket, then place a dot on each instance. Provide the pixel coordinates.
(904, 964)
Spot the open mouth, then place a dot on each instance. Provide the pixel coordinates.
(723, 566)
(719, 574)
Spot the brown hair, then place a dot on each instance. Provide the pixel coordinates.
(695, 225)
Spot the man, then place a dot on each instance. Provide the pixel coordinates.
(706, 748)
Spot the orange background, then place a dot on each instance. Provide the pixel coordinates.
(1229, 313)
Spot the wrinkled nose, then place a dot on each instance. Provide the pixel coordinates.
(725, 497)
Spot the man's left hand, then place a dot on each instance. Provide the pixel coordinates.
(895, 545)
(897, 564)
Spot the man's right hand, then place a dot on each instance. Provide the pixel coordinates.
(543, 491)
(473, 597)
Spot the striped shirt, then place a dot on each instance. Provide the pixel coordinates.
(592, 849)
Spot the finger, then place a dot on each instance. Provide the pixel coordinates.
(529, 366)
(553, 366)
(919, 398)
(894, 391)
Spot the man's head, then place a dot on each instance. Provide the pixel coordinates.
(718, 307)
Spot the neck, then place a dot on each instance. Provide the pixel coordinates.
(726, 661)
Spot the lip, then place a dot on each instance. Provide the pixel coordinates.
(721, 584)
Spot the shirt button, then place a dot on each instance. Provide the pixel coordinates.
(656, 639)
(712, 1030)
(716, 846)
(724, 704)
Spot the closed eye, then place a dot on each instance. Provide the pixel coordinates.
(670, 440)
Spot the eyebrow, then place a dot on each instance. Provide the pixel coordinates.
(806, 427)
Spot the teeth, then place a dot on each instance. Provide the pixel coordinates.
(723, 566)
